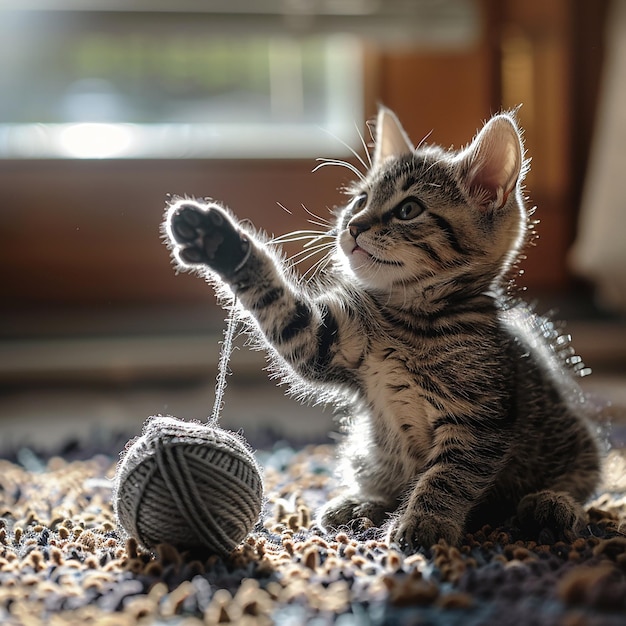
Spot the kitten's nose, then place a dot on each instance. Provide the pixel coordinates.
(358, 227)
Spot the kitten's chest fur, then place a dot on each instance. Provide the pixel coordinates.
(397, 388)
(401, 416)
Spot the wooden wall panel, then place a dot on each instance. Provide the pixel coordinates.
(446, 94)
(87, 233)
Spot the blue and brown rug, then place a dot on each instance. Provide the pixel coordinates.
(62, 560)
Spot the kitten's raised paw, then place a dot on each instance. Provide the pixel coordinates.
(205, 235)
(412, 531)
(556, 511)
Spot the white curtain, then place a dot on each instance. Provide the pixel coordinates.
(599, 252)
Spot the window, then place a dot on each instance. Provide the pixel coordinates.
(123, 84)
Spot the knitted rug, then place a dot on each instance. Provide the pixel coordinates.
(62, 560)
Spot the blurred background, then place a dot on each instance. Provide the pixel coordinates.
(106, 107)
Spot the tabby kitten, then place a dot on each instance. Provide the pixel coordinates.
(463, 405)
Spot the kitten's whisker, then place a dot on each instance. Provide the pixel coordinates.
(371, 126)
(286, 239)
(298, 235)
(346, 145)
(316, 247)
(340, 163)
(365, 147)
(313, 249)
(327, 259)
(317, 217)
(284, 208)
(307, 245)
(319, 266)
(302, 260)
(307, 254)
(316, 240)
(301, 233)
(424, 138)
(316, 264)
(310, 241)
(318, 223)
(313, 271)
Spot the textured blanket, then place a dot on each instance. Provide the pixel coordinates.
(62, 560)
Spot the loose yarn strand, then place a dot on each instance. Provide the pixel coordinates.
(187, 483)
(222, 367)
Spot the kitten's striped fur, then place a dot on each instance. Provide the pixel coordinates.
(462, 408)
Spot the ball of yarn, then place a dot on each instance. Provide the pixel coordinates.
(189, 484)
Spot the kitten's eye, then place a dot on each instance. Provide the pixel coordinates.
(360, 201)
(408, 209)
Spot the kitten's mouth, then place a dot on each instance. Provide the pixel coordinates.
(358, 250)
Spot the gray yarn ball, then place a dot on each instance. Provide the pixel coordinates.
(189, 484)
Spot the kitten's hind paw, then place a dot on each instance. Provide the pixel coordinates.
(555, 511)
(205, 235)
(349, 511)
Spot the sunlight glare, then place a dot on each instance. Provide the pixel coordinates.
(96, 141)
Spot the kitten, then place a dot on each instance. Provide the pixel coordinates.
(463, 405)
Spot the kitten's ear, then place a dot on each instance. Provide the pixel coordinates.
(391, 140)
(493, 162)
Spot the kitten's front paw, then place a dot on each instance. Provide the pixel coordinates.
(205, 235)
(413, 530)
